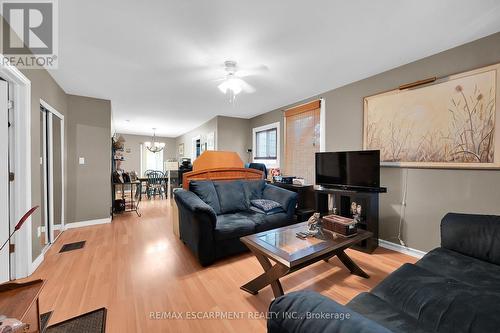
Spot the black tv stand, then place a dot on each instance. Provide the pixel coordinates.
(353, 188)
(342, 199)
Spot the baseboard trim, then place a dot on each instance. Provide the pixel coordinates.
(34, 265)
(402, 249)
(87, 223)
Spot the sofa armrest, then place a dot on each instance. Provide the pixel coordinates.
(287, 199)
(197, 222)
(192, 203)
(310, 312)
(474, 235)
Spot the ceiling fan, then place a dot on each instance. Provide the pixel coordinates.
(233, 84)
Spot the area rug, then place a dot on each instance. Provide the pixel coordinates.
(90, 322)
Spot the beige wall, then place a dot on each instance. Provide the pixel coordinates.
(132, 153)
(88, 136)
(431, 193)
(230, 138)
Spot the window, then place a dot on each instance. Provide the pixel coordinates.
(266, 144)
(150, 160)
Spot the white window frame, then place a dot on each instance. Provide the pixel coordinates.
(269, 163)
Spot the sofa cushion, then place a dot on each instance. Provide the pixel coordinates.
(235, 225)
(253, 189)
(474, 272)
(325, 316)
(383, 313)
(232, 196)
(440, 303)
(205, 190)
(272, 221)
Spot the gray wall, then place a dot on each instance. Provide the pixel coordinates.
(133, 144)
(202, 130)
(431, 193)
(266, 119)
(43, 86)
(230, 138)
(88, 135)
(87, 131)
(230, 135)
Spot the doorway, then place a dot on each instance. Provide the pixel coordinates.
(196, 147)
(51, 174)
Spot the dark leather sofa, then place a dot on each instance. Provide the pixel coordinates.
(214, 215)
(454, 288)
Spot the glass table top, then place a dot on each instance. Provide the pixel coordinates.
(287, 240)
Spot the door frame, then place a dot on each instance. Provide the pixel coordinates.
(5, 267)
(193, 147)
(22, 263)
(53, 112)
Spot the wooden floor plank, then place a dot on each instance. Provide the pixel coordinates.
(136, 265)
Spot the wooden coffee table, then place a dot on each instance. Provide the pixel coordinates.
(290, 253)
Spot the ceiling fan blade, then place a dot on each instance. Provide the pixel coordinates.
(251, 71)
(247, 88)
(220, 79)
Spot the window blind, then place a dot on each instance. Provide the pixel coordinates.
(302, 140)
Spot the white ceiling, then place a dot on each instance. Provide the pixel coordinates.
(155, 60)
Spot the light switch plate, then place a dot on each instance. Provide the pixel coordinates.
(81, 160)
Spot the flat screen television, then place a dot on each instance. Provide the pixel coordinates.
(357, 169)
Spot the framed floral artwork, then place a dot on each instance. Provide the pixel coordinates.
(450, 123)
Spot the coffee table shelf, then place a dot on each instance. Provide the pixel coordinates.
(290, 253)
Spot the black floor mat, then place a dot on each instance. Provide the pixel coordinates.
(90, 322)
(72, 246)
(44, 320)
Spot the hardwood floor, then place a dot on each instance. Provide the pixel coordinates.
(135, 266)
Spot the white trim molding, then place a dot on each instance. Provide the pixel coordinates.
(402, 249)
(34, 265)
(21, 165)
(88, 223)
(269, 163)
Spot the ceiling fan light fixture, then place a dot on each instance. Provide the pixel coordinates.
(231, 84)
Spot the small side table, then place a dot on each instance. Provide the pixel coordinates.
(20, 301)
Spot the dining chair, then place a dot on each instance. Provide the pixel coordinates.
(156, 183)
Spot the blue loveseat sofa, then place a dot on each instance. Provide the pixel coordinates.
(454, 288)
(213, 215)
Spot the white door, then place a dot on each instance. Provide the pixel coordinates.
(52, 171)
(4, 181)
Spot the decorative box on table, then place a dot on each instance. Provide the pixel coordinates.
(339, 224)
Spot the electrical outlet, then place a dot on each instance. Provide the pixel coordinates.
(81, 160)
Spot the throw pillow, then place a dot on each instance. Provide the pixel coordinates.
(205, 190)
(267, 206)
